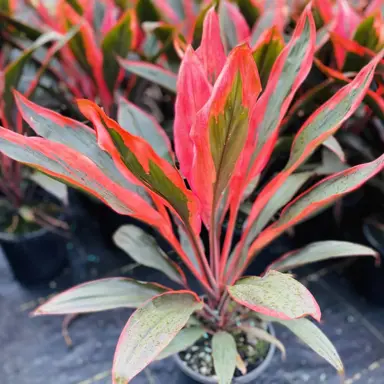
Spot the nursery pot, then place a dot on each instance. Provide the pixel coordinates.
(107, 219)
(35, 257)
(250, 377)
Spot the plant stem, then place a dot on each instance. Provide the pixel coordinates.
(214, 248)
(202, 261)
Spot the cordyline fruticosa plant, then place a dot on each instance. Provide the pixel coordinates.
(225, 130)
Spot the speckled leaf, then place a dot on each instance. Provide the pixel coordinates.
(143, 248)
(322, 250)
(282, 196)
(328, 190)
(183, 340)
(327, 119)
(315, 339)
(224, 355)
(275, 294)
(321, 195)
(101, 295)
(333, 145)
(149, 330)
(323, 123)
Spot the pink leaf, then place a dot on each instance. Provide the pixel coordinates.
(211, 50)
(193, 91)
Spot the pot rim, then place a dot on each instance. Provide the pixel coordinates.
(12, 238)
(248, 378)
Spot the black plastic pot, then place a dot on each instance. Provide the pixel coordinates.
(107, 219)
(35, 257)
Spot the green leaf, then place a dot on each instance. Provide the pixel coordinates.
(258, 333)
(322, 250)
(367, 36)
(328, 191)
(143, 248)
(198, 30)
(266, 53)
(224, 354)
(275, 294)
(328, 118)
(227, 27)
(146, 11)
(228, 133)
(18, 27)
(139, 123)
(183, 340)
(283, 82)
(282, 196)
(315, 339)
(149, 330)
(151, 72)
(249, 10)
(101, 295)
(166, 33)
(330, 163)
(333, 145)
(117, 42)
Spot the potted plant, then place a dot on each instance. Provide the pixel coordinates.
(33, 229)
(224, 136)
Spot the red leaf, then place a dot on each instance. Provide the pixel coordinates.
(211, 51)
(325, 8)
(320, 195)
(78, 170)
(345, 24)
(319, 126)
(137, 160)
(193, 91)
(218, 138)
(288, 72)
(266, 129)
